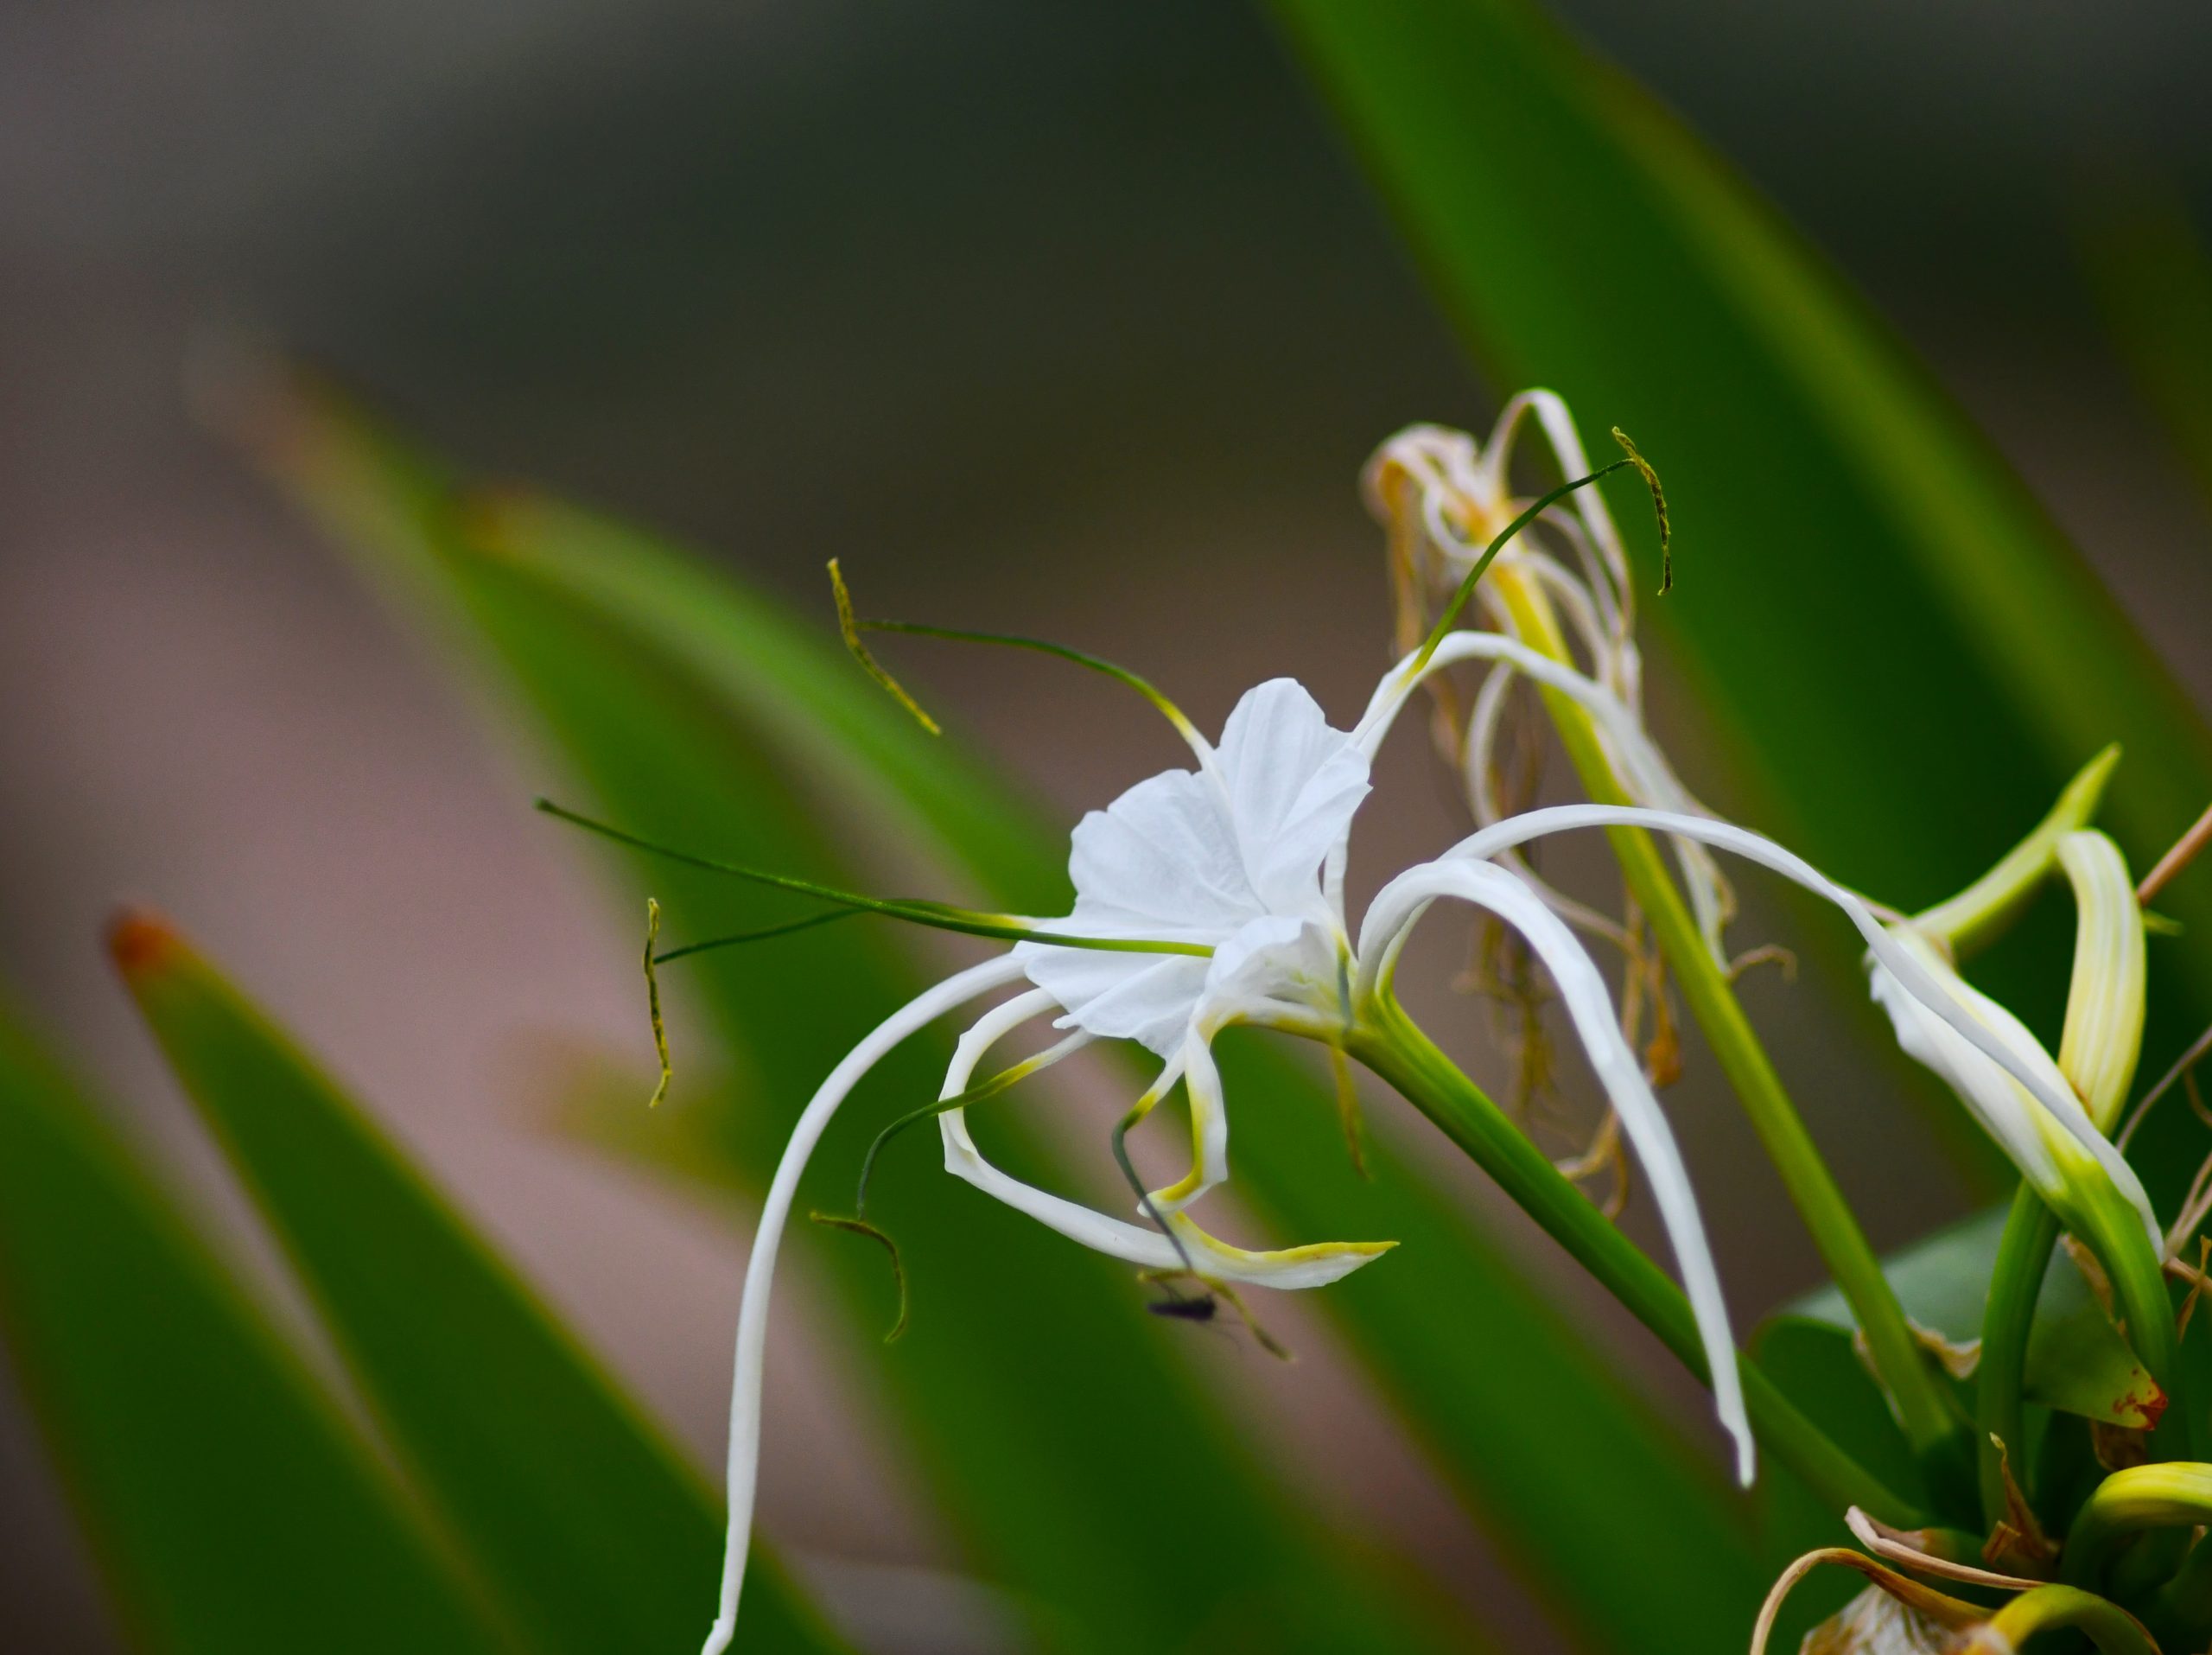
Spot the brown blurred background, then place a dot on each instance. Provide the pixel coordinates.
(1070, 320)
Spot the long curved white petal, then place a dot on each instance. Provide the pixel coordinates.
(1637, 764)
(1389, 911)
(1312, 1265)
(1209, 1125)
(1589, 1004)
(760, 1271)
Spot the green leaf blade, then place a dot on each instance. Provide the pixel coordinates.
(232, 1508)
(584, 1522)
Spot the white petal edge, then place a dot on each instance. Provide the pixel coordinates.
(1590, 1005)
(751, 1343)
(1637, 764)
(1388, 913)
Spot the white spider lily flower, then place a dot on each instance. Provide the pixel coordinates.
(1248, 855)
(1229, 856)
(1201, 902)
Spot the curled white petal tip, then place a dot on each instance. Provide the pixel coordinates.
(1315, 1264)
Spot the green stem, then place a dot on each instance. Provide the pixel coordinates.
(2175, 1495)
(1930, 1424)
(2015, 1283)
(2050, 1608)
(2186, 1602)
(1390, 1044)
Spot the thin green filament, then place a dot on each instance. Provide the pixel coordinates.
(991, 1088)
(1658, 507)
(1168, 709)
(862, 1227)
(1542, 503)
(850, 630)
(766, 934)
(653, 1005)
(1121, 1129)
(937, 915)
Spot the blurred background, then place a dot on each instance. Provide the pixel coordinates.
(1074, 320)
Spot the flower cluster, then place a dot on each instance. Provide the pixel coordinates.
(1213, 895)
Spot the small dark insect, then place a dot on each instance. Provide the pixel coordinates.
(1185, 1309)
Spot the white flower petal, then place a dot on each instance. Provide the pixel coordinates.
(1264, 956)
(1209, 1127)
(1386, 915)
(752, 1347)
(1313, 1265)
(1147, 998)
(2004, 1107)
(1638, 766)
(1294, 784)
(1316, 1265)
(1589, 1004)
(1164, 853)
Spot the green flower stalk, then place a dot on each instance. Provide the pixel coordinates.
(1433, 488)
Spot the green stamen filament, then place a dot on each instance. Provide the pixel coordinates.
(764, 934)
(937, 915)
(850, 631)
(1535, 510)
(653, 1005)
(1120, 675)
(861, 1227)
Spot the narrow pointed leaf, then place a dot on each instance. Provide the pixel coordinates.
(583, 1523)
(233, 1508)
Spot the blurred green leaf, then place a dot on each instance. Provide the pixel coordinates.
(1815, 1367)
(1460, 1339)
(232, 1508)
(2151, 273)
(585, 1524)
(1060, 1428)
(2077, 1362)
(1880, 608)
(1909, 656)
